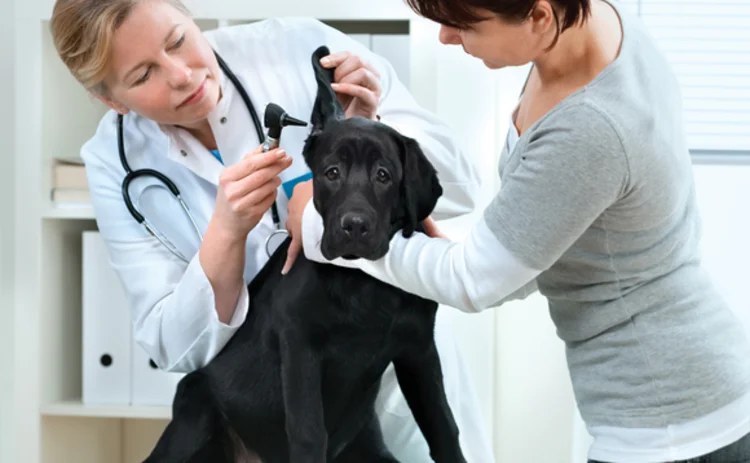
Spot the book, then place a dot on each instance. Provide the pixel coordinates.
(69, 173)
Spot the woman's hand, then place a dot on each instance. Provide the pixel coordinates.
(431, 229)
(247, 190)
(356, 83)
(301, 195)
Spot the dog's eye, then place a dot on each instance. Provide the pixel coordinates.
(384, 176)
(332, 173)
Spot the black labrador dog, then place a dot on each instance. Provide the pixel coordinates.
(297, 383)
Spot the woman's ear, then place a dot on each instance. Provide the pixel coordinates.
(543, 17)
(112, 104)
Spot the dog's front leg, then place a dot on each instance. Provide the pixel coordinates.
(303, 403)
(420, 378)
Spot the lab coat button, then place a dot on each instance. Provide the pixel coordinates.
(223, 120)
(183, 153)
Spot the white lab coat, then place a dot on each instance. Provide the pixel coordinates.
(172, 303)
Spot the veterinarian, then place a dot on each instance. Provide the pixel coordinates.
(184, 118)
(597, 211)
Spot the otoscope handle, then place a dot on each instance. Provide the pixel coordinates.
(270, 143)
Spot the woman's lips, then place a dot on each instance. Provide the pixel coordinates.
(195, 97)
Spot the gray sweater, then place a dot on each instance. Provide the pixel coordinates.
(599, 196)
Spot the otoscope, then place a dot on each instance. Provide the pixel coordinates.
(275, 119)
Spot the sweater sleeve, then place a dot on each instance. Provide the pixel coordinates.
(471, 275)
(573, 168)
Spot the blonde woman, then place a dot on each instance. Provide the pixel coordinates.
(171, 96)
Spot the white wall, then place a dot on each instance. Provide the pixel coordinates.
(724, 202)
(7, 227)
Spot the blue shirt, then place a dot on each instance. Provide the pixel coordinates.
(217, 155)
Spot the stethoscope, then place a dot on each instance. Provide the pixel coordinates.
(131, 175)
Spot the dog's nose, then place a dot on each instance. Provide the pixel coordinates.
(354, 225)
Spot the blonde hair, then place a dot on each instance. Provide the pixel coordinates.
(82, 32)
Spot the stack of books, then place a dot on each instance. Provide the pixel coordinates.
(70, 187)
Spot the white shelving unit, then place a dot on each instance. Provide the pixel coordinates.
(55, 117)
(7, 234)
(80, 213)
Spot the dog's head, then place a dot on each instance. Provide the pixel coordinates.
(369, 181)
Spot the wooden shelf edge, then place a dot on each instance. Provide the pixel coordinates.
(76, 408)
(77, 213)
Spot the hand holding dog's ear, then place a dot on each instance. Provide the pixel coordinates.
(356, 83)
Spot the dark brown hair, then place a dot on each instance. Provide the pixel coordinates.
(462, 13)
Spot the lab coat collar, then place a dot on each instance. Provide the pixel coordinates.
(184, 149)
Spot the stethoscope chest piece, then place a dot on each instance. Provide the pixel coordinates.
(274, 240)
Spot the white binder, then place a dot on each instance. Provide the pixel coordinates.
(150, 385)
(106, 328)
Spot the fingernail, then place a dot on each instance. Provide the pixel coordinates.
(281, 153)
(325, 61)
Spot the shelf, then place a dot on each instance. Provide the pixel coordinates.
(75, 408)
(79, 213)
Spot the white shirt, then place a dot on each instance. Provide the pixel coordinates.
(172, 303)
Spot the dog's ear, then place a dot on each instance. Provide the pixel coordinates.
(327, 106)
(420, 185)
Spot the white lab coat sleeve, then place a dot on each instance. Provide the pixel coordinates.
(172, 303)
(471, 275)
(458, 176)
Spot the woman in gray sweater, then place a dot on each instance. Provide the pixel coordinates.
(597, 210)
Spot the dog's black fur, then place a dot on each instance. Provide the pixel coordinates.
(298, 381)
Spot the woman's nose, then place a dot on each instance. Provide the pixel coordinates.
(449, 36)
(179, 73)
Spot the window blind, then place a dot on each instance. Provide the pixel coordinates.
(708, 44)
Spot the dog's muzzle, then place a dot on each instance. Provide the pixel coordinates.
(354, 234)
